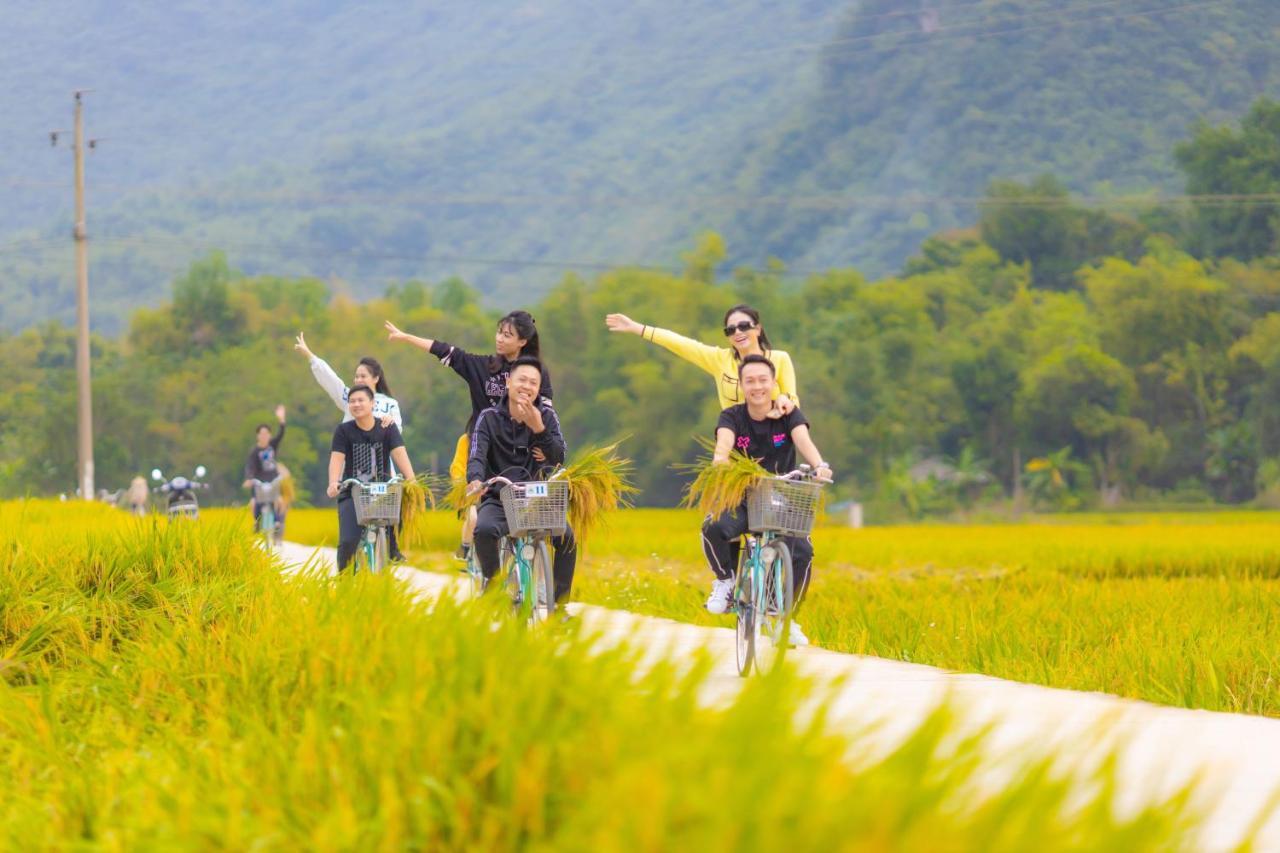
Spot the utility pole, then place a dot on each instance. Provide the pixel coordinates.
(84, 396)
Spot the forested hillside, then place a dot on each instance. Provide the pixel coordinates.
(507, 143)
(962, 381)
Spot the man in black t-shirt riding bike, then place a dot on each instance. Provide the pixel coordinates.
(361, 449)
(773, 442)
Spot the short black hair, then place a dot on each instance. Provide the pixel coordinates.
(757, 359)
(261, 427)
(364, 389)
(527, 361)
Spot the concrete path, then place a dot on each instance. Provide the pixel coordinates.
(1233, 758)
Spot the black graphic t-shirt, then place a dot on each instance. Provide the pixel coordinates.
(767, 441)
(368, 452)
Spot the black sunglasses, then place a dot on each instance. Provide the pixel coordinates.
(743, 326)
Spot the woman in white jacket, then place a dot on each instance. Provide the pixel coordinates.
(370, 374)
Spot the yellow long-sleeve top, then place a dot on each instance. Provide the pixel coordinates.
(722, 365)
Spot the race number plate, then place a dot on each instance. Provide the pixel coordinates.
(376, 488)
(535, 490)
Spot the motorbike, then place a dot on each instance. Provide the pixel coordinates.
(180, 493)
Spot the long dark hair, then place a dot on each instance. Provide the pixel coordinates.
(376, 369)
(522, 323)
(765, 346)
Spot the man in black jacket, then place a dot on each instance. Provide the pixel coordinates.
(517, 439)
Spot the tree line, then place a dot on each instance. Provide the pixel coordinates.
(1060, 354)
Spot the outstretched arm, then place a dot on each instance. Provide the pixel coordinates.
(695, 352)
(395, 334)
(320, 369)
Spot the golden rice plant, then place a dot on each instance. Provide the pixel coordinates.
(599, 483)
(719, 487)
(413, 512)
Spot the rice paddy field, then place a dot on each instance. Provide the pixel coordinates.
(1179, 609)
(166, 686)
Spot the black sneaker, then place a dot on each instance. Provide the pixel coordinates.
(463, 553)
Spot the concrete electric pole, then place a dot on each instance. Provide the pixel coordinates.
(84, 397)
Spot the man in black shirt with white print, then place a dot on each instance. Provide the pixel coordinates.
(773, 442)
(361, 449)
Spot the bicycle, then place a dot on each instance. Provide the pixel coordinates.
(535, 511)
(764, 590)
(267, 497)
(377, 507)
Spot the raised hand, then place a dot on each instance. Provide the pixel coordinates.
(280, 413)
(393, 333)
(622, 323)
(300, 344)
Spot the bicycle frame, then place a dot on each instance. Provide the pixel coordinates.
(516, 557)
(373, 545)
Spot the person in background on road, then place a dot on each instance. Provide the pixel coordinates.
(486, 377)
(369, 373)
(517, 438)
(362, 449)
(138, 494)
(262, 464)
(746, 333)
(752, 429)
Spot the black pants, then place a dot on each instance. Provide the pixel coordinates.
(491, 526)
(351, 532)
(720, 536)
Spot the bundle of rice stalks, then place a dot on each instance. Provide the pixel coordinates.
(721, 486)
(413, 512)
(456, 497)
(599, 483)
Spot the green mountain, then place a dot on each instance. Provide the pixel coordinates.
(511, 142)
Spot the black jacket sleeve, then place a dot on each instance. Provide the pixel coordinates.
(477, 462)
(545, 390)
(275, 442)
(550, 440)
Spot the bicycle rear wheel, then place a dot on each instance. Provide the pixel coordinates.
(745, 630)
(541, 596)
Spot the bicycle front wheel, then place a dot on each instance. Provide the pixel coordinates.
(745, 631)
(778, 599)
(380, 550)
(542, 595)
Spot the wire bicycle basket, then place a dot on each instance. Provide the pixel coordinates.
(539, 506)
(783, 506)
(377, 503)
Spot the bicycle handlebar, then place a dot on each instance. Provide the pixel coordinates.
(352, 481)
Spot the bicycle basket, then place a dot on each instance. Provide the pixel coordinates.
(540, 507)
(377, 503)
(266, 493)
(783, 506)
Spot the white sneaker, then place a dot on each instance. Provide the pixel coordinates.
(795, 636)
(718, 601)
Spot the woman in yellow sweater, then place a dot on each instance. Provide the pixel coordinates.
(743, 328)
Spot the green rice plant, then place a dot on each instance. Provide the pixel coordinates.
(190, 696)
